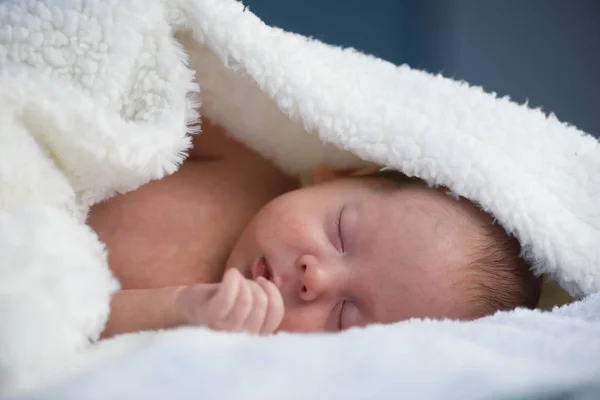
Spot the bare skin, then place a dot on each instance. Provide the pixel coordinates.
(170, 234)
(329, 257)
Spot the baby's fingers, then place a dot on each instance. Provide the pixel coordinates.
(242, 309)
(275, 307)
(225, 299)
(260, 303)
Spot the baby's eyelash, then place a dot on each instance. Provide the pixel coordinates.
(339, 226)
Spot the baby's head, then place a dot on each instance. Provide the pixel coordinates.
(381, 249)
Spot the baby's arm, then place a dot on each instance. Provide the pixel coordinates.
(235, 304)
(143, 309)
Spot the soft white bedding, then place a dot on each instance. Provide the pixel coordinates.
(96, 98)
(513, 353)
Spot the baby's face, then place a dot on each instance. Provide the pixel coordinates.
(357, 251)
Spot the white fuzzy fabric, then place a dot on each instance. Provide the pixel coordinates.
(96, 97)
(510, 353)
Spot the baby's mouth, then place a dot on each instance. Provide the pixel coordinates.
(262, 268)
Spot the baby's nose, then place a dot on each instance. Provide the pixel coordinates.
(314, 278)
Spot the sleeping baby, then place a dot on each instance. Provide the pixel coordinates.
(232, 243)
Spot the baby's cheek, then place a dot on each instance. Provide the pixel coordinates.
(302, 320)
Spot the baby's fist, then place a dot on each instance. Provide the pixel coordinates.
(236, 304)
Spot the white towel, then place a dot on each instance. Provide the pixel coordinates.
(96, 97)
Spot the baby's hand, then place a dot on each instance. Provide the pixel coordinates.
(236, 304)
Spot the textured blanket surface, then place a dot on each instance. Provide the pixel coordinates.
(509, 354)
(96, 97)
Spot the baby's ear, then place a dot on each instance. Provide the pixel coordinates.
(323, 174)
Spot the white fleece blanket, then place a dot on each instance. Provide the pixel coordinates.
(509, 355)
(96, 97)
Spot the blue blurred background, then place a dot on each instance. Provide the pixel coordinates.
(543, 51)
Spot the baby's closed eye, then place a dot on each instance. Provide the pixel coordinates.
(348, 226)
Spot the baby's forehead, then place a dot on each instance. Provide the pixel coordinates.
(438, 203)
(449, 228)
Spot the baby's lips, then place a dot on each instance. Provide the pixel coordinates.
(262, 268)
(258, 268)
